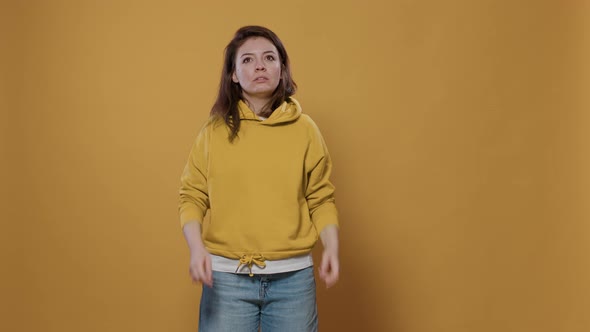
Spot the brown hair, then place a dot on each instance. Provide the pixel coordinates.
(230, 93)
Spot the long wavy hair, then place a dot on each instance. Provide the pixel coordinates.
(230, 93)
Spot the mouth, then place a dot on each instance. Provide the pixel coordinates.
(260, 79)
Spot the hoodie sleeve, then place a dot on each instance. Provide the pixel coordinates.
(320, 191)
(194, 196)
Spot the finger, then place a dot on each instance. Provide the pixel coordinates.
(201, 272)
(332, 273)
(197, 270)
(208, 272)
(195, 274)
(331, 279)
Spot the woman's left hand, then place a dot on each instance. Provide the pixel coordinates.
(330, 265)
(329, 268)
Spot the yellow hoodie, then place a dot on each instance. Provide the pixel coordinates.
(268, 192)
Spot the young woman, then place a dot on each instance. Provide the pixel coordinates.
(261, 168)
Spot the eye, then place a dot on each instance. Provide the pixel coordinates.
(246, 60)
(270, 57)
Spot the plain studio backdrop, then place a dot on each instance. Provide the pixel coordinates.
(460, 133)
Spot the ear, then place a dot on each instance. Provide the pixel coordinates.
(234, 78)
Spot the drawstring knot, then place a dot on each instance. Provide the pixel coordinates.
(249, 260)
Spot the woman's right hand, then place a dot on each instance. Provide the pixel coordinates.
(200, 264)
(200, 267)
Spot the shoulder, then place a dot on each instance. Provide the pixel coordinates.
(302, 118)
(307, 121)
(205, 132)
(310, 125)
(212, 123)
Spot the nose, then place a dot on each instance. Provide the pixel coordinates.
(260, 66)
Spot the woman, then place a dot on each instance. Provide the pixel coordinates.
(262, 170)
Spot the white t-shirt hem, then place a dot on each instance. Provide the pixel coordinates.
(223, 264)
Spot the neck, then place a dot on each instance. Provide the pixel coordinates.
(258, 105)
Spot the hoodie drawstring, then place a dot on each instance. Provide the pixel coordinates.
(249, 260)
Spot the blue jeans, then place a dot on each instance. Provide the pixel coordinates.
(282, 302)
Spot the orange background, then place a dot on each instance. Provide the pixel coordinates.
(460, 133)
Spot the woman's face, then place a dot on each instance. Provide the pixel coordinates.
(258, 68)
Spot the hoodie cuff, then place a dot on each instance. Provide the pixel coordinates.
(325, 215)
(189, 214)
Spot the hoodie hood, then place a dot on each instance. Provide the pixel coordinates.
(288, 111)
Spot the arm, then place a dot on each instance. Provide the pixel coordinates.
(330, 265)
(194, 202)
(321, 203)
(200, 260)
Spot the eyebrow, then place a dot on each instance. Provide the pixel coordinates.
(265, 52)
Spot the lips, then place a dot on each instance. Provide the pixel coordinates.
(260, 79)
